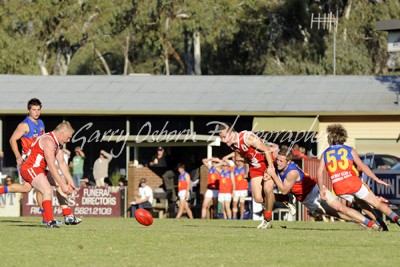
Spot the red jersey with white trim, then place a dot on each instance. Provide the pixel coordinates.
(225, 184)
(213, 179)
(258, 162)
(36, 153)
(240, 181)
(340, 167)
(304, 186)
(182, 183)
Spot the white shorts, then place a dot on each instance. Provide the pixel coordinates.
(239, 194)
(182, 195)
(224, 197)
(362, 193)
(211, 193)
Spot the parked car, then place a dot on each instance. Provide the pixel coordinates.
(396, 167)
(379, 161)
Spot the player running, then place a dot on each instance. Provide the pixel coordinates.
(259, 157)
(338, 160)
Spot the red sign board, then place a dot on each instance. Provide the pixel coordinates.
(86, 202)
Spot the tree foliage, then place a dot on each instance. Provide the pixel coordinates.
(237, 37)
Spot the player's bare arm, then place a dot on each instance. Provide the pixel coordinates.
(364, 168)
(286, 186)
(247, 170)
(274, 148)
(255, 142)
(229, 156)
(188, 181)
(233, 182)
(21, 130)
(206, 162)
(64, 168)
(48, 148)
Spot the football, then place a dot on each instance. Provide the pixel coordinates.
(144, 217)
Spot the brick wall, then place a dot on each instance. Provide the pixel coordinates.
(152, 176)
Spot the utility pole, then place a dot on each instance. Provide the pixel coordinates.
(328, 22)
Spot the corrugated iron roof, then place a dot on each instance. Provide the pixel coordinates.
(202, 95)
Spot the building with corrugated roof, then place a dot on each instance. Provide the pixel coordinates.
(104, 109)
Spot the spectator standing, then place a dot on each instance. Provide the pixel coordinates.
(100, 168)
(211, 196)
(144, 199)
(226, 187)
(77, 165)
(240, 172)
(296, 150)
(302, 154)
(159, 159)
(183, 192)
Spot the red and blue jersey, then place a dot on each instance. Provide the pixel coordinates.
(304, 186)
(225, 184)
(182, 183)
(35, 130)
(213, 179)
(240, 181)
(340, 167)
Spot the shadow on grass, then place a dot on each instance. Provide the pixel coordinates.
(274, 228)
(30, 225)
(216, 226)
(13, 221)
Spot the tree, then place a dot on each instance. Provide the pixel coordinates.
(251, 37)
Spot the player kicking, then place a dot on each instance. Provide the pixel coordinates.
(338, 160)
(27, 131)
(304, 188)
(259, 157)
(44, 152)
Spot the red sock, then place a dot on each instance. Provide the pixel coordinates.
(48, 210)
(66, 211)
(370, 223)
(3, 190)
(268, 215)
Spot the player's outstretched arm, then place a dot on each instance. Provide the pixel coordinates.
(364, 168)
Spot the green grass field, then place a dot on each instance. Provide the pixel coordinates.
(169, 242)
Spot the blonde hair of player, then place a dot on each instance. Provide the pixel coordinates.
(337, 134)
